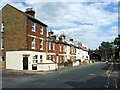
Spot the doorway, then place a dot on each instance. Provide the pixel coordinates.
(25, 63)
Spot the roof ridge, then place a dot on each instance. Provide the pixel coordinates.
(24, 13)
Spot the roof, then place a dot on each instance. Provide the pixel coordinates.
(29, 16)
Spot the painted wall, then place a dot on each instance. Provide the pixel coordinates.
(14, 59)
(47, 66)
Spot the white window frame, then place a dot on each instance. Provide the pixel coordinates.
(49, 45)
(2, 42)
(41, 30)
(41, 59)
(41, 44)
(53, 46)
(60, 48)
(65, 48)
(33, 43)
(2, 27)
(33, 26)
(61, 59)
(35, 60)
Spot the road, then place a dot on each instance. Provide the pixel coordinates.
(84, 76)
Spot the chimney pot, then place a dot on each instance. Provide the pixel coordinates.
(30, 11)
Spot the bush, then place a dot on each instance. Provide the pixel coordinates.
(69, 61)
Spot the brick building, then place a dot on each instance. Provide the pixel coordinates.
(24, 34)
(25, 44)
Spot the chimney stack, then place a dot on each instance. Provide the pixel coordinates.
(30, 11)
(71, 40)
(60, 38)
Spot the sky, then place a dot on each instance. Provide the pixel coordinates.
(87, 21)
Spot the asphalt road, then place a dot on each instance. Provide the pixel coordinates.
(84, 76)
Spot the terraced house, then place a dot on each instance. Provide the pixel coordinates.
(24, 37)
(26, 45)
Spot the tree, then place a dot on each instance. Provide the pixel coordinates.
(106, 50)
(117, 40)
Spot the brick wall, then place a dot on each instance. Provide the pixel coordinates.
(15, 29)
(2, 64)
(37, 34)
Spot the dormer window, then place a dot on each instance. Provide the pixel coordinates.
(33, 27)
(41, 30)
(2, 27)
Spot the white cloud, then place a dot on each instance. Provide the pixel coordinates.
(113, 30)
(80, 21)
(36, 1)
(69, 16)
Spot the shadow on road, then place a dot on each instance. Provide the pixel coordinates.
(94, 84)
(99, 82)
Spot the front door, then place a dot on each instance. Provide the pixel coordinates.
(25, 63)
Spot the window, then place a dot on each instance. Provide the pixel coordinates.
(35, 59)
(2, 43)
(53, 46)
(61, 59)
(41, 44)
(60, 48)
(41, 57)
(2, 27)
(65, 48)
(51, 57)
(33, 27)
(49, 45)
(72, 50)
(33, 42)
(87, 57)
(3, 59)
(41, 30)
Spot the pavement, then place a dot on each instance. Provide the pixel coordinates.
(62, 69)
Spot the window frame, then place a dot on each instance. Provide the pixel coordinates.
(33, 43)
(2, 27)
(53, 46)
(2, 42)
(41, 44)
(49, 45)
(33, 26)
(41, 29)
(35, 59)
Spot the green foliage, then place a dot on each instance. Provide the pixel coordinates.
(106, 50)
(69, 61)
(106, 46)
(117, 41)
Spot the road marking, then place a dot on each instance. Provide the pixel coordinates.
(115, 72)
(92, 74)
